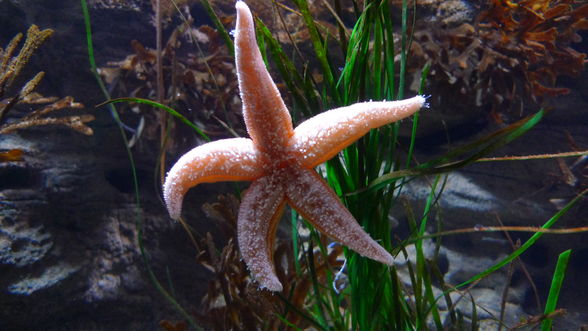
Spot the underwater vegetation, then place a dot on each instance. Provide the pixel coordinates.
(11, 66)
(508, 58)
(511, 54)
(199, 84)
(280, 160)
(330, 286)
(117, 4)
(168, 7)
(231, 299)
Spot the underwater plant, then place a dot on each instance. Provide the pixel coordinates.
(11, 66)
(199, 84)
(231, 299)
(280, 160)
(331, 287)
(512, 54)
(134, 5)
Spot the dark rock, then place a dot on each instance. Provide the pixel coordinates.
(69, 256)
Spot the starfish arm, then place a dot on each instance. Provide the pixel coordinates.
(319, 204)
(259, 214)
(222, 160)
(323, 136)
(268, 122)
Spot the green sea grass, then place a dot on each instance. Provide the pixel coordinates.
(368, 176)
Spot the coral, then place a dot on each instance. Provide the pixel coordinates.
(513, 52)
(76, 123)
(10, 68)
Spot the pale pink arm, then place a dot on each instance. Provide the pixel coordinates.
(223, 160)
(323, 136)
(267, 119)
(318, 203)
(259, 214)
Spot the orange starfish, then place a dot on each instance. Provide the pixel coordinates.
(280, 161)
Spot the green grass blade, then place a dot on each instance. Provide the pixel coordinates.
(320, 49)
(404, 49)
(155, 104)
(305, 316)
(139, 215)
(301, 88)
(556, 283)
(318, 302)
(295, 246)
(527, 244)
(415, 117)
(497, 138)
(89, 42)
(474, 320)
(480, 148)
(219, 26)
(389, 53)
(424, 286)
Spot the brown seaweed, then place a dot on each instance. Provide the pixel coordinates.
(513, 53)
(200, 86)
(234, 301)
(10, 68)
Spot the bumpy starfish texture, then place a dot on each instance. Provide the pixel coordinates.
(280, 160)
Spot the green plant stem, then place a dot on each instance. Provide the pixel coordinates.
(527, 244)
(554, 290)
(139, 214)
(170, 110)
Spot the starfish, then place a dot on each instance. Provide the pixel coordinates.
(280, 160)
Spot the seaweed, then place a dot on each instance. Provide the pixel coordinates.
(11, 67)
(233, 300)
(512, 53)
(201, 86)
(363, 295)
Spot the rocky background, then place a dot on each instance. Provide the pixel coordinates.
(69, 258)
